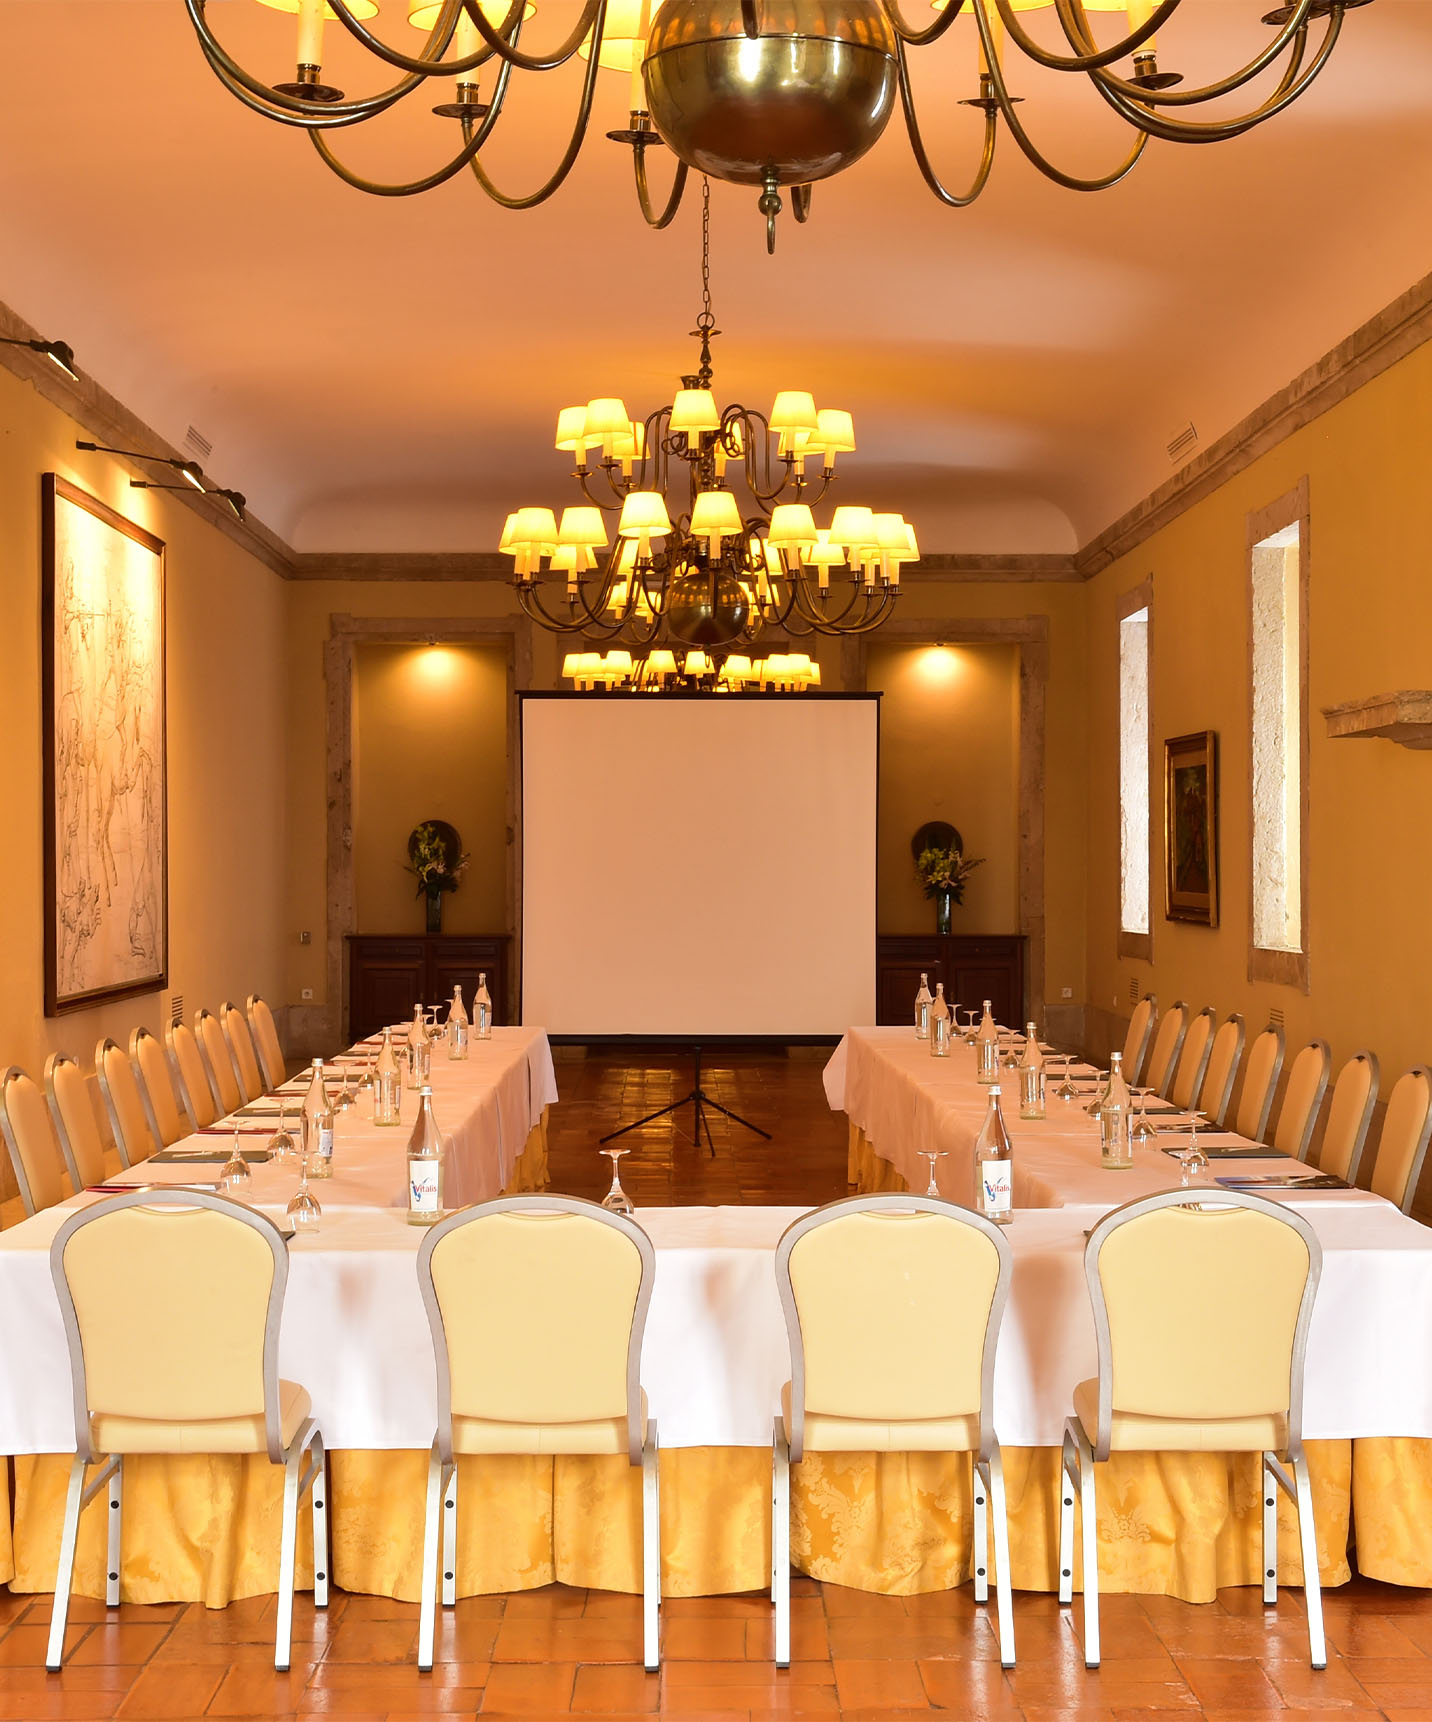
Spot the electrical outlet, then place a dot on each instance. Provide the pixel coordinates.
(307, 995)
(305, 938)
(1066, 992)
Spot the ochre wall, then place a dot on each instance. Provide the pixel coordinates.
(430, 742)
(949, 749)
(227, 722)
(1370, 802)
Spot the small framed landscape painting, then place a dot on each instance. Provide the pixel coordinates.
(1191, 828)
(102, 680)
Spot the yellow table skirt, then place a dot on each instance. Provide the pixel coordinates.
(207, 1529)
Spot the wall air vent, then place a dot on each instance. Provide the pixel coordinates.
(200, 445)
(1275, 1017)
(176, 1008)
(1133, 989)
(1183, 444)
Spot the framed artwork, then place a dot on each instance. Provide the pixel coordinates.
(1191, 828)
(102, 683)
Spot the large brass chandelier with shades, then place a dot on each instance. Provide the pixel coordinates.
(775, 94)
(663, 551)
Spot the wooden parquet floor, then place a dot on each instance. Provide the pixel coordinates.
(562, 1653)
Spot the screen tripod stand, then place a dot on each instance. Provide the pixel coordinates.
(700, 1102)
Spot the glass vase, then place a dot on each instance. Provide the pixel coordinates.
(435, 911)
(944, 912)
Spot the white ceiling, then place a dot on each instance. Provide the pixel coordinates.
(384, 374)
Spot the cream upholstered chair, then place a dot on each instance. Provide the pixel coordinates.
(128, 1116)
(1136, 1041)
(1402, 1148)
(1233, 1381)
(1354, 1096)
(1307, 1083)
(266, 1042)
(1163, 1056)
(202, 1379)
(76, 1126)
(1193, 1060)
(30, 1137)
(1260, 1079)
(218, 1062)
(192, 1078)
(561, 1371)
(158, 1088)
(241, 1050)
(893, 1305)
(1225, 1055)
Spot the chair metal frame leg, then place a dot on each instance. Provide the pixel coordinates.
(432, 1536)
(1082, 1472)
(1068, 1482)
(77, 1498)
(979, 1554)
(449, 1541)
(1298, 1486)
(115, 1541)
(297, 1477)
(321, 1550)
(1270, 1531)
(1004, 1594)
(651, 1548)
(781, 1542)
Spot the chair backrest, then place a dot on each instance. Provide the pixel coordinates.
(76, 1126)
(573, 1282)
(1354, 1096)
(1307, 1083)
(218, 1062)
(893, 1305)
(1250, 1268)
(214, 1268)
(189, 1073)
(155, 1076)
(1225, 1055)
(241, 1050)
(266, 1042)
(128, 1117)
(1260, 1078)
(30, 1137)
(1193, 1060)
(1163, 1059)
(1402, 1147)
(1136, 1041)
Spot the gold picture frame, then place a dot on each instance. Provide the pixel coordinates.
(1191, 828)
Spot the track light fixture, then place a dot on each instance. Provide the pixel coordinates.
(235, 498)
(59, 353)
(189, 470)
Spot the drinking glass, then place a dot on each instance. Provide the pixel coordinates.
(972, 1027)
(1144, 1134)
(345, 1096)
(932, 1155)
(1100, 1078)
(303, 1208)
(281, 1143)
(235, 1175)
(1193, 1162)
(368, 1078)
(1066, 1090)
(1013, 1045)
(616, 1199)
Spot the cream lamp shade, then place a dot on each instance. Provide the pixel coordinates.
(423, 14)
(607, 420)
(617, 665)
(536, 527)
(853, 528)
(628, 22)
(644, 516)
(737, 669)
(572, 435)
(583, 526)
(833, 435)
(698, 664)
(823, 555)
(661, 664)
(694, 410)
(630, 446)
(793, 418)
(362, 9)
(715, 516)
(792, 527)
(813, 674)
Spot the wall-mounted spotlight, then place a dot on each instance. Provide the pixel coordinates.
(59, 353)
(235, 499)
(189, 470)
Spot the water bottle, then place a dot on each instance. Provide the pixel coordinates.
(987, 1048)
(1116, 1117)
(1031, 1077)
(425, 1166)
(482, 1006)
(387, 1084)
(939, 1024)
(457, 1026)
(923, 1001)
(994, 1165)
(318, 1126)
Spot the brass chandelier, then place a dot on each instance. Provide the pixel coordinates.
(690, 565)
(770, 93)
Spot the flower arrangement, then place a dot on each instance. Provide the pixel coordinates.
(942, 870)
(438, 859)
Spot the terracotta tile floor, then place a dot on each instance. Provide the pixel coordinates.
(560, 1653)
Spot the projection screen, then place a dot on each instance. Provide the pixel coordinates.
(698, 865)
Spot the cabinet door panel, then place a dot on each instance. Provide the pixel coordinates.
(383, 990)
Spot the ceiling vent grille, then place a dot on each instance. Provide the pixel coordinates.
(197, 443)
(1183, 444)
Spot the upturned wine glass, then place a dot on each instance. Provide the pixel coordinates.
(281, 1143)
(235, 1175)
(971, 1028)
(616, 1199)
(303, 1208)
(1143, 1133)
(1193, 1162)
(1096, 1105)
(932, 1155)
(1066, 1090)
(345, 1096)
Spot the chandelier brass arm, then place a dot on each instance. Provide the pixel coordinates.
(906, 33)
(474, 137)
(569, 157)
(593, 18)
(1091, 58)
(643, 192)
(440, 36)
(956, 200)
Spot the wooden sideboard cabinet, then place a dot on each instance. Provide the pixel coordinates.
(974, 967)
(389, 973)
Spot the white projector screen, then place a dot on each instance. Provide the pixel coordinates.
(698, 865)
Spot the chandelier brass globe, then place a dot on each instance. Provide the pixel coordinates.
(775, 93)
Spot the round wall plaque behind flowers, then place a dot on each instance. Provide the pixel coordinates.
(936, 834)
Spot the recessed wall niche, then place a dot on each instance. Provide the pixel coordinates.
(429, 742)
